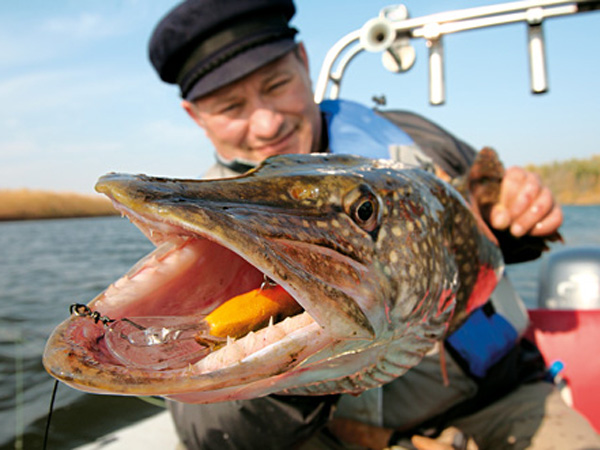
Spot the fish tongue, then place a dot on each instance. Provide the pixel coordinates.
(160, 343)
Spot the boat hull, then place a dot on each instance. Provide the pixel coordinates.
(572, 337)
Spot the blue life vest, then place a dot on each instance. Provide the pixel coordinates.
(483, 340)
(355, 129)
(352, 128)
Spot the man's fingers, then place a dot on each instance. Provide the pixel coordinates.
(425, 443)
(548, 224)
(500, 218)
(525, 206)
(511, 184)
(450, 439)
(534, 214)
(519, 190)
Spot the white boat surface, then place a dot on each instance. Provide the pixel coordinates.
(153, 433)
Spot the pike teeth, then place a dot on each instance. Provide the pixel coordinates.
(254, 341)
(249, 342)
(274, 333)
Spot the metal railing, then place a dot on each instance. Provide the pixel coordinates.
(392, 31)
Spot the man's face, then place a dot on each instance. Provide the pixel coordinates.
(269, 112)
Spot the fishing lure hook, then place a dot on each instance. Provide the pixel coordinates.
(153, 342)
(81, 310)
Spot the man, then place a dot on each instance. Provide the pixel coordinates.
(245, 81)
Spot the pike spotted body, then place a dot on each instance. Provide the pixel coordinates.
(376, 263)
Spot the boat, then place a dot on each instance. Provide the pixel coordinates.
(155, 432)
(566, 325)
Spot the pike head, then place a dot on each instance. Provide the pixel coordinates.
(382, 262)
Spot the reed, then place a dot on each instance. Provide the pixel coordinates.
(26, 204)
(573, 181)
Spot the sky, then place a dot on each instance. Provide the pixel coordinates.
(79, 98)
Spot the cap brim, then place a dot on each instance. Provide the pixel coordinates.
(238, 67)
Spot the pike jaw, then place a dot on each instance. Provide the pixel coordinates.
(169, 292)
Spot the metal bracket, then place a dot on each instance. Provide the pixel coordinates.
(392, 32)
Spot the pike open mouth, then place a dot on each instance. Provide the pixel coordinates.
(237, 296)
(190, 304)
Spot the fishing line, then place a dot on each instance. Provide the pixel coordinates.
(19, 397)
(47, 432)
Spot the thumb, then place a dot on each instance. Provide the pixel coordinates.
(499, 217)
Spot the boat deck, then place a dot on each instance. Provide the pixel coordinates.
(156, 432)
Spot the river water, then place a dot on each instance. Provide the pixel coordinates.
(47, 265)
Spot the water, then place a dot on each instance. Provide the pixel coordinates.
(47, 265)
(580, 227)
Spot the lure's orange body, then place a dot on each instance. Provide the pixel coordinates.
(251, 311)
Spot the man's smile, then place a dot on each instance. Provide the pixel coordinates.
(278, 146)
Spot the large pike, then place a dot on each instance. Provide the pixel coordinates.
(381, 262)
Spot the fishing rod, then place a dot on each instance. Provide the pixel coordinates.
(392, 32)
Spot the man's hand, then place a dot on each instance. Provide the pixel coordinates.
(519, 210)
(450, 439)
(377, 438)
(525, 206)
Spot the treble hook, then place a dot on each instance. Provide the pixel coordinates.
(267, 283)
(81, 310)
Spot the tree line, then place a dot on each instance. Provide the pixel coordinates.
(573, 181)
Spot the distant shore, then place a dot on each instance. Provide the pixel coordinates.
(573, 181)
(27, 204)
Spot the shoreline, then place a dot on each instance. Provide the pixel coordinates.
(29, 204)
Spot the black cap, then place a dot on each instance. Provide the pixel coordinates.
(203, 45)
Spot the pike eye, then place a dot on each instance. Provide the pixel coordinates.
(363, 206)
(364, 212)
